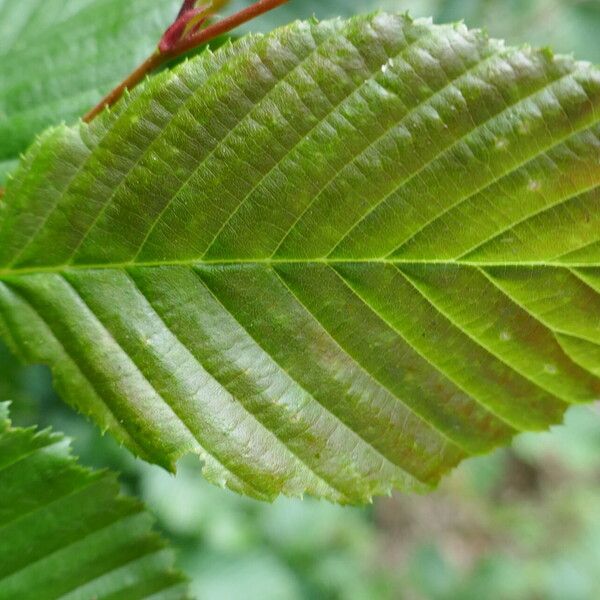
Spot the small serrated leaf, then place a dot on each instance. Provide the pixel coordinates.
(67, 532)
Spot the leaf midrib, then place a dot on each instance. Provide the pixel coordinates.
(9, 272)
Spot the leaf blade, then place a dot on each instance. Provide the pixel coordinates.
(260, 257)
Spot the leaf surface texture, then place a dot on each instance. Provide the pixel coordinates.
(335, 259)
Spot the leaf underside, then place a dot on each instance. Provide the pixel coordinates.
(59, 57)
(336, 259)
(67, 533)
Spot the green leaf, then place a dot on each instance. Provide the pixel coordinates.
(336, 259)
(67, 532)
(59, 57)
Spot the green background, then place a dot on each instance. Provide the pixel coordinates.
(569, 26)
(522, 523)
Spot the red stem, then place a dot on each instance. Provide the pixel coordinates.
(184, 45)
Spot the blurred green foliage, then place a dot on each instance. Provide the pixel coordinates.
(568, 26)
(520, 524)
(565, 25)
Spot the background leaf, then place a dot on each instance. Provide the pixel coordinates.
(325, 260)
(67, 533)
(59, 57)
